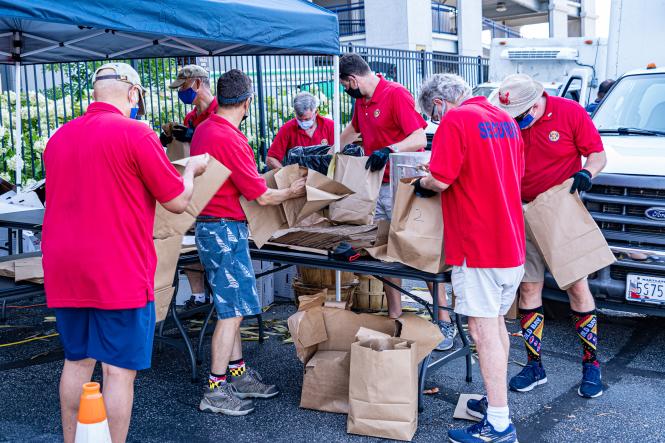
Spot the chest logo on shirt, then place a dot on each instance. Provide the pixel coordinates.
(324, 141)
(377, 112)
(554, 136)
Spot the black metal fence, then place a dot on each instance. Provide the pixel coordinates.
(351, 18)
(53, 94)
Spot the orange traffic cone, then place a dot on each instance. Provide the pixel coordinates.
(92, 425)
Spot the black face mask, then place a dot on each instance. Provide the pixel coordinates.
(354, 92)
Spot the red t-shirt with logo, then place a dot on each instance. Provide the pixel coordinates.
(555, 144)
(219, 138)
(194, 118)
(478, 151)
(387, 118)
(291, 135)
(104, 172)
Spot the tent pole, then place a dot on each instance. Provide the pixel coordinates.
(338, 130)
(18, 142)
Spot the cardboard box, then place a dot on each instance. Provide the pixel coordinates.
(264, 285)
(323, 334)
(170, 228)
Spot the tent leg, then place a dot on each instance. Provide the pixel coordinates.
(18, 141)
(338, 129)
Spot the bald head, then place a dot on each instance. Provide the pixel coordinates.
(115, 92)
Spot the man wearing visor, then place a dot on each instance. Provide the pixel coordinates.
(222, 241)
(308, 128)
(105, 171)
(193, 85)
(557, 133)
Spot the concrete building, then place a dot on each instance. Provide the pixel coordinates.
(463, 27)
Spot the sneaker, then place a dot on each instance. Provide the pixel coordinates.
(591, 386)
(532, 375)
(250, 385)
(449, 331)
(477, 408)
(224, 400)
(483, 432)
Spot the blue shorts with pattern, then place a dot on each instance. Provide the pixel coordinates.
(224, 251)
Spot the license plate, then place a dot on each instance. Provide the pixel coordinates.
(645, 289)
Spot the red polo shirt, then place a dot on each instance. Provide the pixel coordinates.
(387, 118)
(555, 144)
(104, 172)
(195, 119)
(478, 151)
(291, 135)
(219, 138)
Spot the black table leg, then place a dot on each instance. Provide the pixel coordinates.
(185, 338)
(202, 334)
(422, 376)
(465, 344)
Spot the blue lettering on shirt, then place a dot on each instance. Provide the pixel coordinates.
(497, 130)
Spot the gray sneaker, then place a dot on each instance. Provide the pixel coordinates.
(224, 399)
(449, 331)
(250, 385)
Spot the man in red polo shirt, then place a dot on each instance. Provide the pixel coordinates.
(105, 170)
(308, 128)
(222, 241)
(477, 163)
(193, 85)
(557, 133)
(386, 117)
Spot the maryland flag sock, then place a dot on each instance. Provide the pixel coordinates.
(216, 380)
(586, 324)
(532, 322)
(237, 367)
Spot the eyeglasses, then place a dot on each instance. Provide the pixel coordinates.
(521, 117)
(432, 118)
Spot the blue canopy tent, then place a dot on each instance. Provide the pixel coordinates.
(42, 31)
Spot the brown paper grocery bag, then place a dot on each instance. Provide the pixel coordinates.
(383, 388)
(177, 150)
(358, 208)
(264, 221)
(566, 235)
(321, 191)
(325, 385)
(416, 230)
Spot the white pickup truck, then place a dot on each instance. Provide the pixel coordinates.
(627, 199)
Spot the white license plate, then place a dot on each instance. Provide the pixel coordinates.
(645, 289)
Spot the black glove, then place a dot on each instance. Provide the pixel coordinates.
(581, 181)
(182, 133)
(378, 159)
(420, 191)
(165, 139)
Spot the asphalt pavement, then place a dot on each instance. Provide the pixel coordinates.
(165, 407)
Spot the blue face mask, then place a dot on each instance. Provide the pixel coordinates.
(134, 113)
(526, 121)
(307, 124)
(187, 96)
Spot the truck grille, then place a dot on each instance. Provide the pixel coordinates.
(620, 272)
(619, 212)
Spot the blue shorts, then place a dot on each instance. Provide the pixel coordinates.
(119, 337)
(224, 251)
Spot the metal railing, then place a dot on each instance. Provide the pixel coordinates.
(351, 18)
(499, 30)
(444, 19)
(53, 94)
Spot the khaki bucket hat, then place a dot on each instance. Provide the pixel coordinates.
(517, 93)
(124, 73)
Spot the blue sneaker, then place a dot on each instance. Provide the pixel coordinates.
(529, 377)
(483, 432)
(591, 386)
(477, 408)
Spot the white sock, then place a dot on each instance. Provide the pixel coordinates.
(200, 297)
(499, 418)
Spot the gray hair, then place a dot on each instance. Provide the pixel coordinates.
(449, 87)
(303, 102)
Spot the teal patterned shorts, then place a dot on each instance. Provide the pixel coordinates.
(224, 251)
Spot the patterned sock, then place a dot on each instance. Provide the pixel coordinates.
(586, 324)
(532, 322)
(237, 367)
(216, 380)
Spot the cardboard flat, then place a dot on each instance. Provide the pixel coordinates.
(29, 269)
(460, 408)
(357, 208)
(264, 221)
(326, 382)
